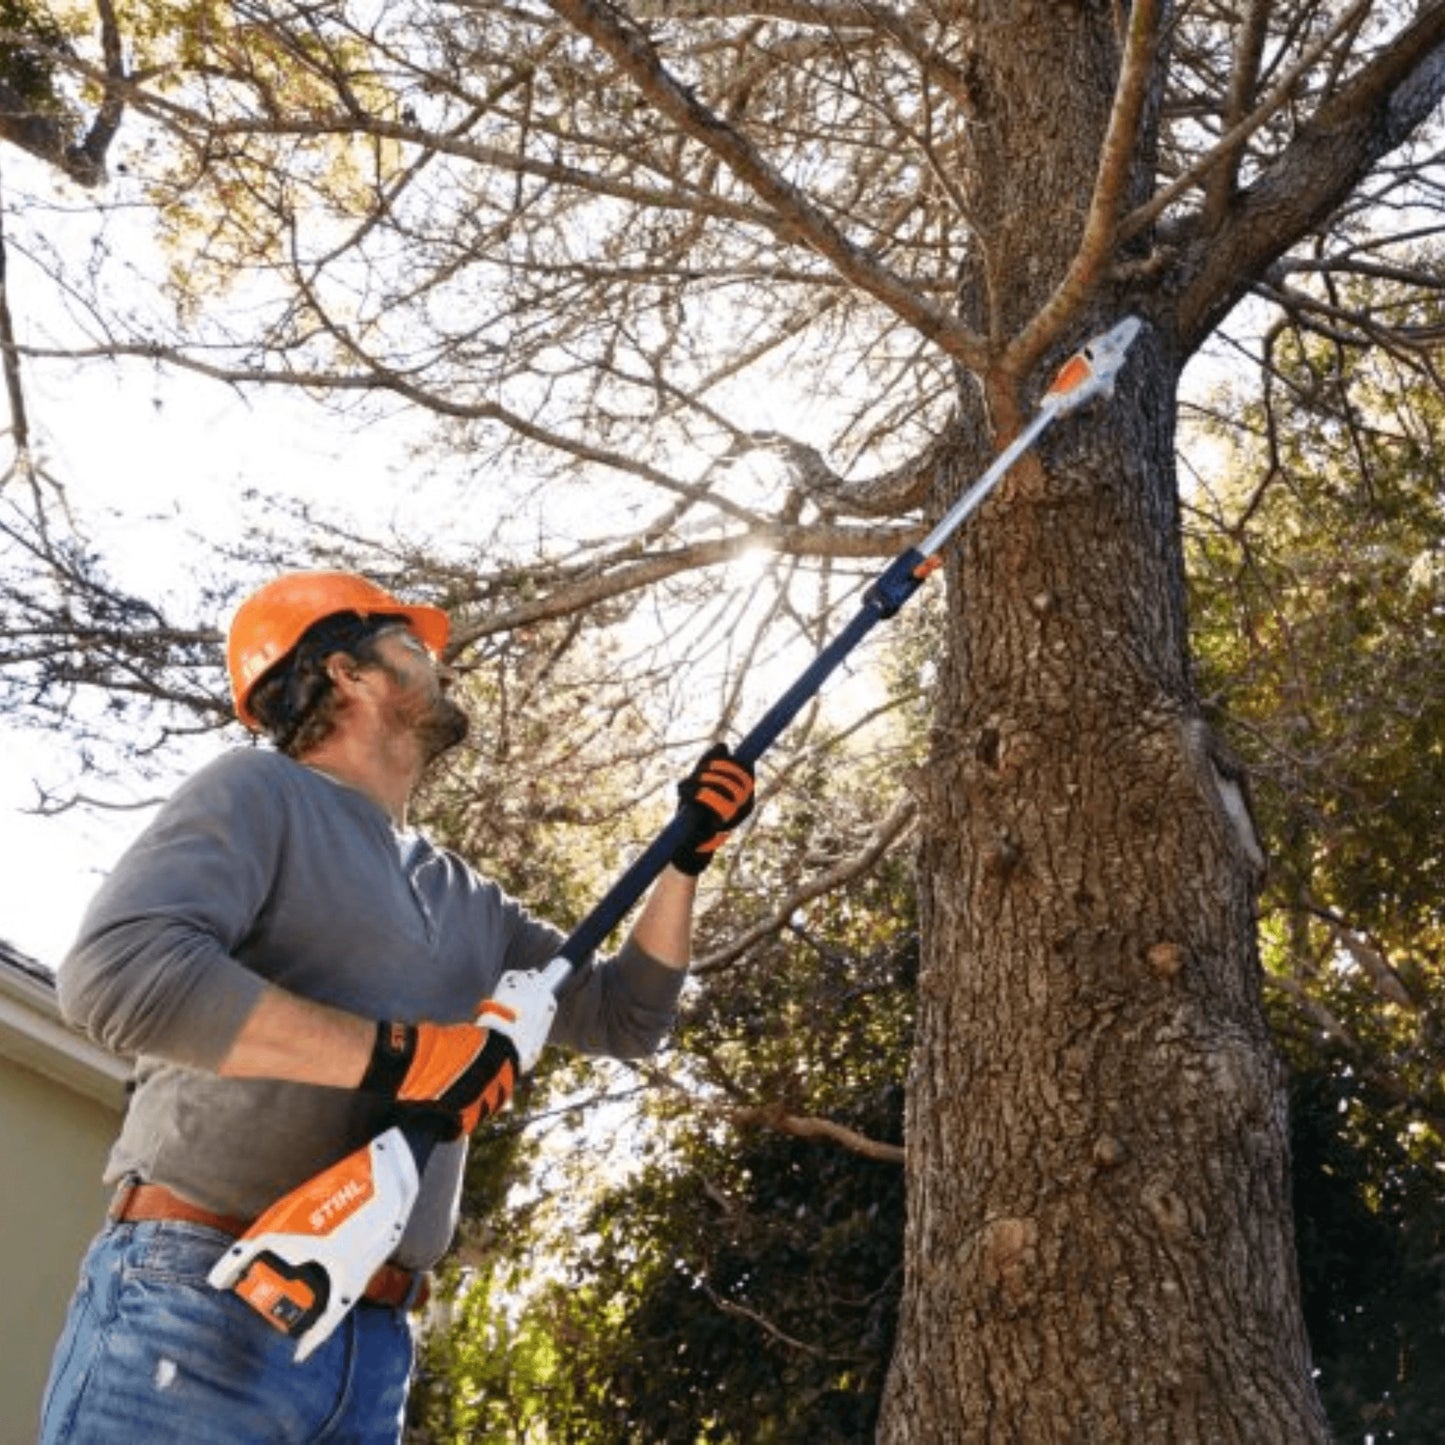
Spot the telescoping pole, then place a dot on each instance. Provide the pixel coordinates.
(1089, 373)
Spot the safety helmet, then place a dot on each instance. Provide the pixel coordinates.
(271, 621)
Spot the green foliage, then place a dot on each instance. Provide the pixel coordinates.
(1370, 1218)
(743, 1289)
(1319, 599)
(1320, 605)
(751, 1289)
(737, 1283)
(27, 54)
(229, 209)
(488, 1375)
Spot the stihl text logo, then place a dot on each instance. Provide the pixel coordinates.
(337, 1205)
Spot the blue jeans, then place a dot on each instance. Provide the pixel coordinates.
(150, 1352)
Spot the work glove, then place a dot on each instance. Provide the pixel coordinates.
(455, 1075)
(451, 1076)
(723, 787)
(522, 1008)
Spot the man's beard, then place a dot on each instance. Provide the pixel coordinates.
(444, 726)
(438, 724)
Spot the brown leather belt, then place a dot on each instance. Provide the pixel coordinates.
(134, 1203)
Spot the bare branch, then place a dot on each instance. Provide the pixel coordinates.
(14, 388)
(1368, 116)
(793, 216)
(774, 1116)
(884, 837)
(86, 161)
(1249, 51)
(1227, 148)
(633, 576)
(1116, 162)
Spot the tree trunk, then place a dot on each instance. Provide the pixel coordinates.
(1099, 1243)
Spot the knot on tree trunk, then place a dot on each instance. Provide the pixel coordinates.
(1166, 960)
(1167, 1209)
(1008, 1257)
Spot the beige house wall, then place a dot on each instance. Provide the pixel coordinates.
(60, 1105)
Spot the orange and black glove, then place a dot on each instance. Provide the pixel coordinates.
(450, 1075)
(723, 787)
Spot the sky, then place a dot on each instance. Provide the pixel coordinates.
(52, 865)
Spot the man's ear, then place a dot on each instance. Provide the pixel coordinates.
(343, 670)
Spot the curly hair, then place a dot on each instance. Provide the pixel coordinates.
(295, 701)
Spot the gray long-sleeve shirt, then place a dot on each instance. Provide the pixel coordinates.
(261, 870)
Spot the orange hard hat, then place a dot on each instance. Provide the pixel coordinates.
(271, 621)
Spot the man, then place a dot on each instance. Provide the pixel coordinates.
(293, 971)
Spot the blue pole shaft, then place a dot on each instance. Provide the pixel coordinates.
(891, 590)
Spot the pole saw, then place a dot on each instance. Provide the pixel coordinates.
(308, 1258)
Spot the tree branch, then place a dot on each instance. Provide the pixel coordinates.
(807, 1126)
(794, 218)
(729, 1307)
(888, 832)
(1242, 81)
(776, 1116)
(847, 20)
(1116, 158)
(890, 493)
(590, 591)
(14, 389)
(86, 161)
(1372, 113)
(45, 132)
(1367, 953)
(1228, 145)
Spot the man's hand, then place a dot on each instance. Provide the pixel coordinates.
(522, 1008)
(723, 787)
(453, 1074)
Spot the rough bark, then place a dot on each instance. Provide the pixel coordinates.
(1099, 1236)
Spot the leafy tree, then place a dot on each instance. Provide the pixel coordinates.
(1371, 1229)
(741, 1281)
(1318, 600)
